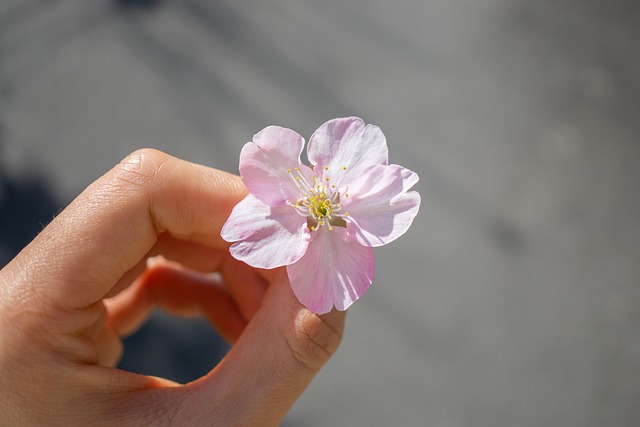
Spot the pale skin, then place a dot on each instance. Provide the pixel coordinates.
(68, 298)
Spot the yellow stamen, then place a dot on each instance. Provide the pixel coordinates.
(318, 200)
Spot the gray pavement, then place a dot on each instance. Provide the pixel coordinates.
(514, 299)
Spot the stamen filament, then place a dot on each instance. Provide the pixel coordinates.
(320, 204)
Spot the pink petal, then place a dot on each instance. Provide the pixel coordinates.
(266, 237)
(265, 161)
(335, 271)
(346, 142)
(380, 209)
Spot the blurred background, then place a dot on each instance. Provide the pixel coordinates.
(515, 297)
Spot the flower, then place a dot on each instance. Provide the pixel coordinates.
(321, 221)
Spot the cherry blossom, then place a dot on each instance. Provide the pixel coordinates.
(321, 221)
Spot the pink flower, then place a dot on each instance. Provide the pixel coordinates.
(321, 221)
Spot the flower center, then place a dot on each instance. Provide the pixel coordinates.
(319, 201)
(319, 207)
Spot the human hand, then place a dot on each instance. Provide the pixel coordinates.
(66, 299)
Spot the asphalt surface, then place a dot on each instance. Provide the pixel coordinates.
(513, 300)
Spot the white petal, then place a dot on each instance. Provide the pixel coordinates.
(335, 271)
(265, 237)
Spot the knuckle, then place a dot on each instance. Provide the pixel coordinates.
(315, 340)
(140, 167)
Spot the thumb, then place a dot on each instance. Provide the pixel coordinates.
(271, 364)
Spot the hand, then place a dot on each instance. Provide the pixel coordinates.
(66, 299)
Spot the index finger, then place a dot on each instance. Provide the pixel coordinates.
(114, 223)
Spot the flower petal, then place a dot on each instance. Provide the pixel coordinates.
(335, 271)
(380, 209)
(265, 161)
(266, 237)
(346, 143)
